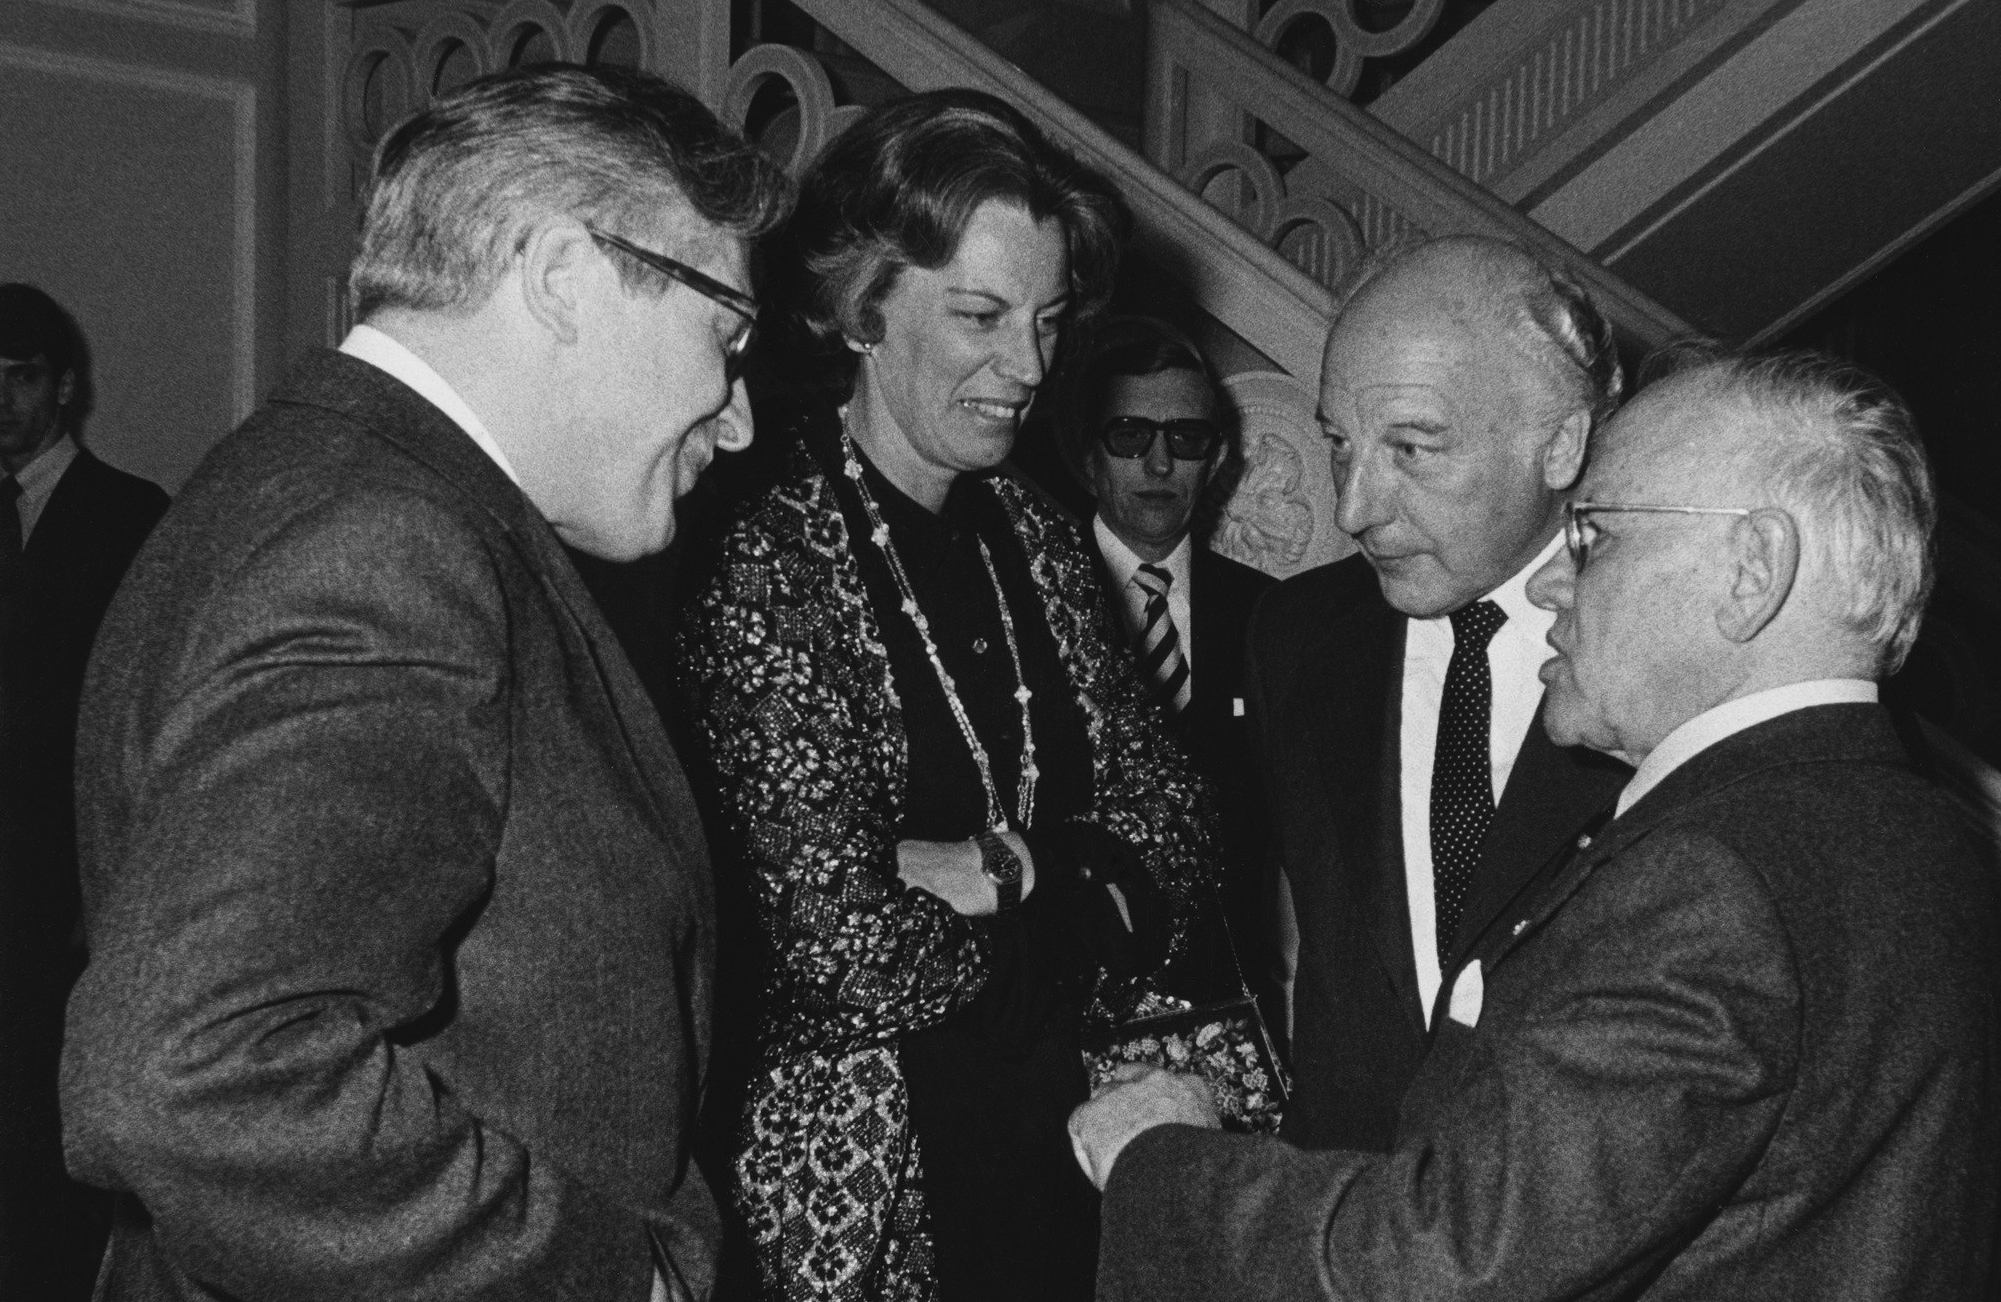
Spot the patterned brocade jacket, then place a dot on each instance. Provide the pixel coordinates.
(792, 694)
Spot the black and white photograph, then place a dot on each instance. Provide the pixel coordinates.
(1000, 650)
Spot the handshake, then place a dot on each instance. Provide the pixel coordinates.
(1139, 1097)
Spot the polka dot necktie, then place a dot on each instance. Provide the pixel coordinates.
(1160, 658)
(1462, 781)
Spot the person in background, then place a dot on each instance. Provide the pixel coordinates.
(400, 918)
(69, 527)
(1742, 1042)
(1395, 693)
(960, 819)
(1147, 432)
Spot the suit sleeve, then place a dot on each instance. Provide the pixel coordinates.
(1577, 1137)
(317, 805)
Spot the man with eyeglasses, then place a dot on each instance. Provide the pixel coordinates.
(1146, 433)
(400, 919)
(1742, 1041)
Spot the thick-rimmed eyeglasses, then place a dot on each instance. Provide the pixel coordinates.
(1189, 438)
(707, 286)
(1579, 532)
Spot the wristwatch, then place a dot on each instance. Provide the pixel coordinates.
(1003, 868)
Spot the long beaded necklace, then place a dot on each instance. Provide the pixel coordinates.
(879, 535)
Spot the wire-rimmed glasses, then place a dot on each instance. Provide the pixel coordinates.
(1579, 533)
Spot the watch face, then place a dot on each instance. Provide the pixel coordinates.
(998, 860)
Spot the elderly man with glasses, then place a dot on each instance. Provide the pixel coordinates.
(1742, 1041)
(400, 919)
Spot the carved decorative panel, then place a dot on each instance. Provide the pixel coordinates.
(1280, 516)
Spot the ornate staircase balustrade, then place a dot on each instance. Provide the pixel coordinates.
(1369, 185)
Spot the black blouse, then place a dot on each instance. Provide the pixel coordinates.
(990, 1090)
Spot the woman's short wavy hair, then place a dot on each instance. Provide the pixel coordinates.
(458, 185)
(897, 188)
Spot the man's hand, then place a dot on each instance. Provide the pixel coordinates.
(1140, 1097)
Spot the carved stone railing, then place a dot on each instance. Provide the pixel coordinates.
(1360, 185)
(1497, 103)
(1354, 44)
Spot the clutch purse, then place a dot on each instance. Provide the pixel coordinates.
(1225, 1043)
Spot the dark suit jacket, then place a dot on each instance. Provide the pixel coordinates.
(1743, 1046)
(51, 1231)
(400, 918)
(1218, 741)
(1326, 685)
(88, 532)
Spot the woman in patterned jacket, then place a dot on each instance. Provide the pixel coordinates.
(963, 827)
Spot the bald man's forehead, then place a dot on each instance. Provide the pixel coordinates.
(1392, 362)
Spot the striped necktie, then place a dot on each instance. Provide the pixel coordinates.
(1160, 658)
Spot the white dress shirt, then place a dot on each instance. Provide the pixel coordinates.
(370, 345)
(1514, 656)
(1122, 563)
(38, 480)
(1732, 717)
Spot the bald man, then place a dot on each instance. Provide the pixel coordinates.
(1743, 1042)
(1394, 694)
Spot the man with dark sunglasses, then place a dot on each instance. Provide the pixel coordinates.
(1147, 434)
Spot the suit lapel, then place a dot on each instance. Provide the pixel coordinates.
(50, 538)
(1551, 792)
(1817, 733)
(396, 413)
(1359, 742)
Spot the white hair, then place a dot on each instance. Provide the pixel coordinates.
(1840, 451)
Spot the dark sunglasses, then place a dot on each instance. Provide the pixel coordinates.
(1188, 438)
(707, 286)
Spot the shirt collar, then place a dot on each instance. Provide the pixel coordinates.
(1513, 596)
(1525, 618)
(38, 478)
(385, 353)
(1732, 717)
(1123, 562)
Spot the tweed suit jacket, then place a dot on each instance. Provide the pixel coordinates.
(399, 914)
(1326, 686)
(1742, 1045)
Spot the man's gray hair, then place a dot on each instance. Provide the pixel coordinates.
(458, 186)
(1539, 306)
(1840, 451)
